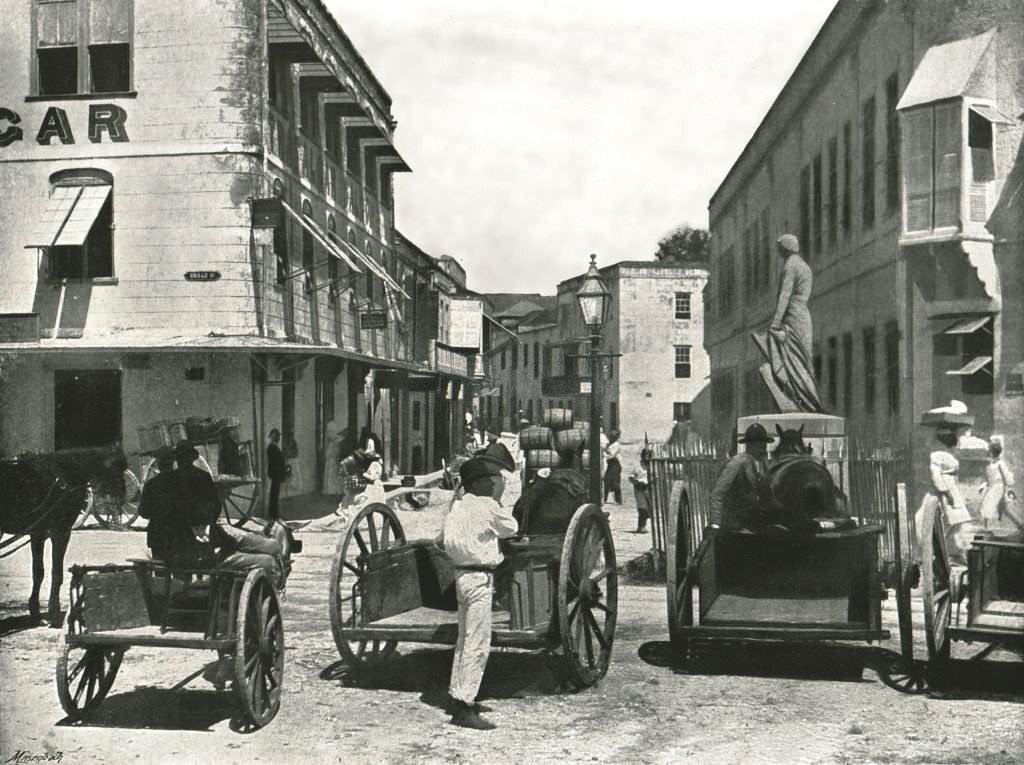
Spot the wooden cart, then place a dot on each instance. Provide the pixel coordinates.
(145, 603)
(553, 591)
(781, 588)
(992, 585)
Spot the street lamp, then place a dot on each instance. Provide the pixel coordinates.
(595, 302)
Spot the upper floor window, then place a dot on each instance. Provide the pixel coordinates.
(682, 361)
(76, 228)
(536, 360)
(81, 46)
(867, 172)
(683, 305)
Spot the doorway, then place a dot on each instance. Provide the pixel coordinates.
(87, 407)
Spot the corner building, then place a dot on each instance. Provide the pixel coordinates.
(894, 154)
(197, 220)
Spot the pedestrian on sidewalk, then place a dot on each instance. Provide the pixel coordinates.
(277, 472)
(472, 528)
(641, 480)
(613, 468)
(996, 490)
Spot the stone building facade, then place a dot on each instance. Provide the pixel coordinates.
(654, 334)
(894, 154)
(197, 219)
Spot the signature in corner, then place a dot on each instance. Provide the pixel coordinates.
(23, 756)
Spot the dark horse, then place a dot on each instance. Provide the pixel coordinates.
(802, 484)
(41, 495)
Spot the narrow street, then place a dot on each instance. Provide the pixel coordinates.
(640, 712)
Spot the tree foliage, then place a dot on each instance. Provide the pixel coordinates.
(685, 244)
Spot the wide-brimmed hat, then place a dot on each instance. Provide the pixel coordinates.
(755, 433)
(163, 455)
(478, 467)
(185, 453)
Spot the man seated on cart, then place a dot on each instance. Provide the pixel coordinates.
(184, 507)
(472, 529)
(741, 492)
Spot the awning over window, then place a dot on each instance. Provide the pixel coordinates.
(973, 366)
(946, 71)
(320, 236)
(69, 216)
(992, 115)
(967, 326)
(372, 265)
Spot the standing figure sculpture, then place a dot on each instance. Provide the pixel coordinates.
(786, 345)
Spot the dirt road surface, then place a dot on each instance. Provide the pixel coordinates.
(644, 711)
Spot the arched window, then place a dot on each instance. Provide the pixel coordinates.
(76, 229)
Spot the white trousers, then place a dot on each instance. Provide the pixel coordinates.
(475, 592)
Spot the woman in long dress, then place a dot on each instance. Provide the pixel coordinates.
(789, 337)
(998, 480)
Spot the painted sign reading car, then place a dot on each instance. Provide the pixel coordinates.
(103, 118)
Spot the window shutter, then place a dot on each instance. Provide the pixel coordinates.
(56, 23)
(917, 169)
(947, 165)
(109, 20)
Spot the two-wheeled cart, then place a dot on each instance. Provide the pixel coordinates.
(555, 590)
(145, 603)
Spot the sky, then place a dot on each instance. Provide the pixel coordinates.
(540, 131)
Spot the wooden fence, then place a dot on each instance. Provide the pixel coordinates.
(869, 477)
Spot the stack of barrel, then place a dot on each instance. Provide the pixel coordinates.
(560, 442)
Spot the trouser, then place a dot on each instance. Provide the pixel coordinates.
(249, 549)
(613, 480)
(474, 591)
(273, 510)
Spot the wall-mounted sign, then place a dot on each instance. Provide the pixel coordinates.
(375, 319)
(449, 361)
(202, 276)
(103, 118)
(465, 323)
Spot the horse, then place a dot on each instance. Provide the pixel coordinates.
(800, 482)
(41, 496)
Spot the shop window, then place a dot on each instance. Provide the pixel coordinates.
(683, 305)
(682, 362)
(75, 230)
(681, 411)
(82, 46)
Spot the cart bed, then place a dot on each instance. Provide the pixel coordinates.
(805, 611)
(440, 626)
(150, 635)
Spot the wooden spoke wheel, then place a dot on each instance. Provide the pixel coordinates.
(902, 674)
(84, 677)
(678, 587)
(935, 585)
(588, 590)
(259, 651)
(117, 514)
(374, 527)
(86, 513)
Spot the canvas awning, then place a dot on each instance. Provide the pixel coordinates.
(69, 216)
(320, 236)
(973, 366)
(991, 114)
(946, 71)
(967, 326)
(373, 266)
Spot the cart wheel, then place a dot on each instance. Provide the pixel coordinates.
(677, 587)
(902, 674)
(588, 588)
(259, 653)
(86, 513)
(119, 515)
(84, 676)
(374, 527)
(935, 585)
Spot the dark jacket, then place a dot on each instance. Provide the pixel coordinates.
(174, 502)
(157, 505)
(276, 468)
(740, 495)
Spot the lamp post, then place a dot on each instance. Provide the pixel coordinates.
(595, 301)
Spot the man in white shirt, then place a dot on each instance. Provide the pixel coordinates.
(472, 529)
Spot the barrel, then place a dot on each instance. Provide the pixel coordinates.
(569, 440)
(585, 459)
(177, 432)
(535, 437)
(583, 425)
(538, 458)
(558, 419)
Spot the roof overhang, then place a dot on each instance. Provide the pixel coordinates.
(948, 71)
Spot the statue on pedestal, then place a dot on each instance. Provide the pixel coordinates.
(786, 345)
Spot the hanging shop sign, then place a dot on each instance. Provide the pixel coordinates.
(202, 276)
(449, 361)
(375, 319)
(103, 118)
